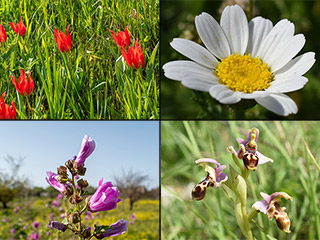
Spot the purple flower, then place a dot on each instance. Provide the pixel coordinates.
(51, 216)
(52, 180)
(105, 197)
(248, 150)
(87, 147)
(12, 231)
(5, 219)
(24, 228)
(116, 229)
(55, 203)
(35, 225)
(57, 225)
(271, 207)
(215, 178)
(59, 197)
(48, 233)
(34, 236)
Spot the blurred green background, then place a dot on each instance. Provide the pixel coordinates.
(177, 20)
(293, 171)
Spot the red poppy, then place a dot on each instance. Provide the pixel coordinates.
(3, 34)
(20, 28)
(7, 112)
(134, 57)
(23, 87)
(64, 42)
(122, 39)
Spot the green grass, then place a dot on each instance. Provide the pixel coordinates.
(293, 171)
(146, 225)
(85, 83)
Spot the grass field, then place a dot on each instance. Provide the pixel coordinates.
(86, 82)
(145, 227)
(293, 171)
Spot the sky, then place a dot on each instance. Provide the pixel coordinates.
(45, 145)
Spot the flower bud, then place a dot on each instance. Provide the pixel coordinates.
(74, 217)
(57, 225)
(62, 170)
(82, 172)
(69, 164)
(74, 199)
(87, 232)
(83, 183)
(67, 192)
(62, 179)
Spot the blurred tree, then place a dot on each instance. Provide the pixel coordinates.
(10, 184)
(130, 185)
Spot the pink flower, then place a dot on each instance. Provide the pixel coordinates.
(59, 197)
(52, 180)
(55, 203)
(105, 198)
(116, 229)
(87, 147)
(35, 225)
(270, 205)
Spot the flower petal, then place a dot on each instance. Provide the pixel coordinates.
(282, 31)
(263, 159)
(261, 206)
(297, 66)
(259, 28)
(212, 35)
(280, 104)
(195, 52)
(285, 51)
(224, 95)
(210, 160)
(289, 84)
(235, 25)
(176, 70)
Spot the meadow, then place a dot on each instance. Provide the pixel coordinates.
(293, 146)
(91, 80)
(38, 209)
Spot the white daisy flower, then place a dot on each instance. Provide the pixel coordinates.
(243, 61)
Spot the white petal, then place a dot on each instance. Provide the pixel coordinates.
(282, 31)
(259, 28)
(289, 84)
(278, 103)
(235, 25)
(194, 51)
(175, 70)
(212, 35)
(223, 94)
(253, 95)
(263, 159)
(297, 66)
(197, 85)
(285, 52)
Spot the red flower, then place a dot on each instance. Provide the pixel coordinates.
(24, 87)
(122, 39)
(3, 34)
(134, 57)
(20, 28)
(64, 42)
(5, 111)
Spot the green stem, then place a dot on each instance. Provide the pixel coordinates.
(252, 214)
(29, 106)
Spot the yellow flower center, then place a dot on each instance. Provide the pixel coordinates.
(244, 73)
